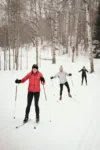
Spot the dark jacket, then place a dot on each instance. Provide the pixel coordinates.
(83, 72)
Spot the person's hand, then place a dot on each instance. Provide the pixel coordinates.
(70, 74)
(17, 81)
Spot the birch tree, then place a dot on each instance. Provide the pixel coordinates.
(34, 25)
(73, 51)
(89, 35)
(36, 32)
(9, 30)
(55, 34)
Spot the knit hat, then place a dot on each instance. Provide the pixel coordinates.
(35, 66)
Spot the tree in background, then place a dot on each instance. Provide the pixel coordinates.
(96, 37)
(60, 24)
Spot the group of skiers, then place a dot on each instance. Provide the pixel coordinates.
(35, 77)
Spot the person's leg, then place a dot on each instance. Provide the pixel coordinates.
(68, 88)
(36, 102)
(86, 80)
(61, 90)
(29, 101)
(82, 80)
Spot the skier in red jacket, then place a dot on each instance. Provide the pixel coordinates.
(34, 78)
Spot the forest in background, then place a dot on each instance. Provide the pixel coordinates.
(69, 23)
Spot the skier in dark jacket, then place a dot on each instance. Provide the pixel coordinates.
(34, 77)
(63, 81)
(84, 76)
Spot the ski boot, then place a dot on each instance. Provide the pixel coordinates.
(37, 119)
(69, 95)
(60, 98)
(25, 119)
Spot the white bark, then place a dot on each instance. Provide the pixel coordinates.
(77, 6)
(73, 54)
(13, 58)
(27, 48)
(41, 20)
(21, 59)
(0, 61)
(68, 10)
(89, 35)
(9, 31)
(36, 39)
(55, 32)
(66, 21)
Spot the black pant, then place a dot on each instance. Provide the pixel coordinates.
(84, 77)
(61, 88)
(29, 102)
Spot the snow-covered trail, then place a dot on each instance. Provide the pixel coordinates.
(73, 126)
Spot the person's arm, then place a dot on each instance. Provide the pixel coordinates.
(42, 79)
(26, 77)
(55, 76)
(86, 70)
(23, 79)
(80, 70)
(68, 74)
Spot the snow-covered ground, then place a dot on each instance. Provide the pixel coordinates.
(64, 125)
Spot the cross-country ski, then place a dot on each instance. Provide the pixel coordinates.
(22, 124)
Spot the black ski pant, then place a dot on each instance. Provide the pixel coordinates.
(29, 102)
(84, 77)
(61, 88)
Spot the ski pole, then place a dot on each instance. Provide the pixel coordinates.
(72, 81)
(15, 102)
(52, 86)
(44, 93)
(73, 85)
(52, 82)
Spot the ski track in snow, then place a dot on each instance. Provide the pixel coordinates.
(64, 125)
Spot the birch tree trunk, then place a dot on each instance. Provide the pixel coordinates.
(77, 6)
(27, 48)
(89, 35)
(41, 20)
(0, 60)
(36, 31)
(66, 22)
(5, 50)
(55, 32)
(69, 38)
(17, 38)
(76, 33)
(9, 31)
(21, 59)
(67, 11)
(73, 51)
(13, 58)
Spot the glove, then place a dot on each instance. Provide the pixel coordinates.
(51, 77)
(17, 81)
(70, 74)
(42, 80)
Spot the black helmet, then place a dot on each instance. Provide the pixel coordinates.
(35, 66)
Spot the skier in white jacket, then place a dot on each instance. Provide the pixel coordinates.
(63, 81)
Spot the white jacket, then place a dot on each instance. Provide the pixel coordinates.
(62, 76)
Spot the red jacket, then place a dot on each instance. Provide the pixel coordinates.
(34, 81)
